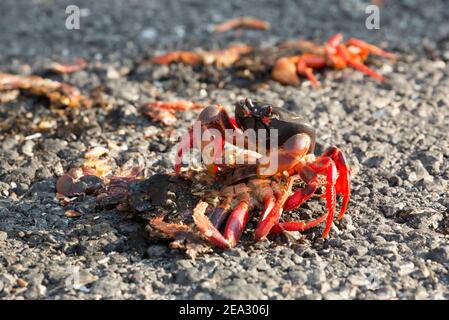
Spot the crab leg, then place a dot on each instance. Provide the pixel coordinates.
(331, 51)
(297, 225)
(236, 223)
(308, 62)
(170, 229)
(325, 165)
(309, 173)
(344, 53)
(343, 184)
(233, 230)
(269, 220)
(309, 176)
(218, 216)
(370, 48)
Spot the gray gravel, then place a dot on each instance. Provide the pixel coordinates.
(393, 243)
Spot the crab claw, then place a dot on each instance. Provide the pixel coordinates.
(208, 134)
(284, 71)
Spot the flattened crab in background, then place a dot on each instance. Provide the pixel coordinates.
(220, 58)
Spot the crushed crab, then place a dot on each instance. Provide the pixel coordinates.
(242, 22)
(220, 58)
(59, 94)
(63, 68)
(165, 111)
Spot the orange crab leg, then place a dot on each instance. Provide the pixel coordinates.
(270, 202)
(308, 62)
(335, 40)
(370, 48)
(344, 53)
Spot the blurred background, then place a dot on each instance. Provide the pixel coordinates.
(111, 29)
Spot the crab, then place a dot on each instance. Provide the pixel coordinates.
(242, 22)
(270, 178)
(59, 94)
(334, 54)
(220, 58)
(164, 111)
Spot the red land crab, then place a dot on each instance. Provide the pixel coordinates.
(294, 158)
(334, 54)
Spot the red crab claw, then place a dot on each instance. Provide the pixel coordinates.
(211, 119)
